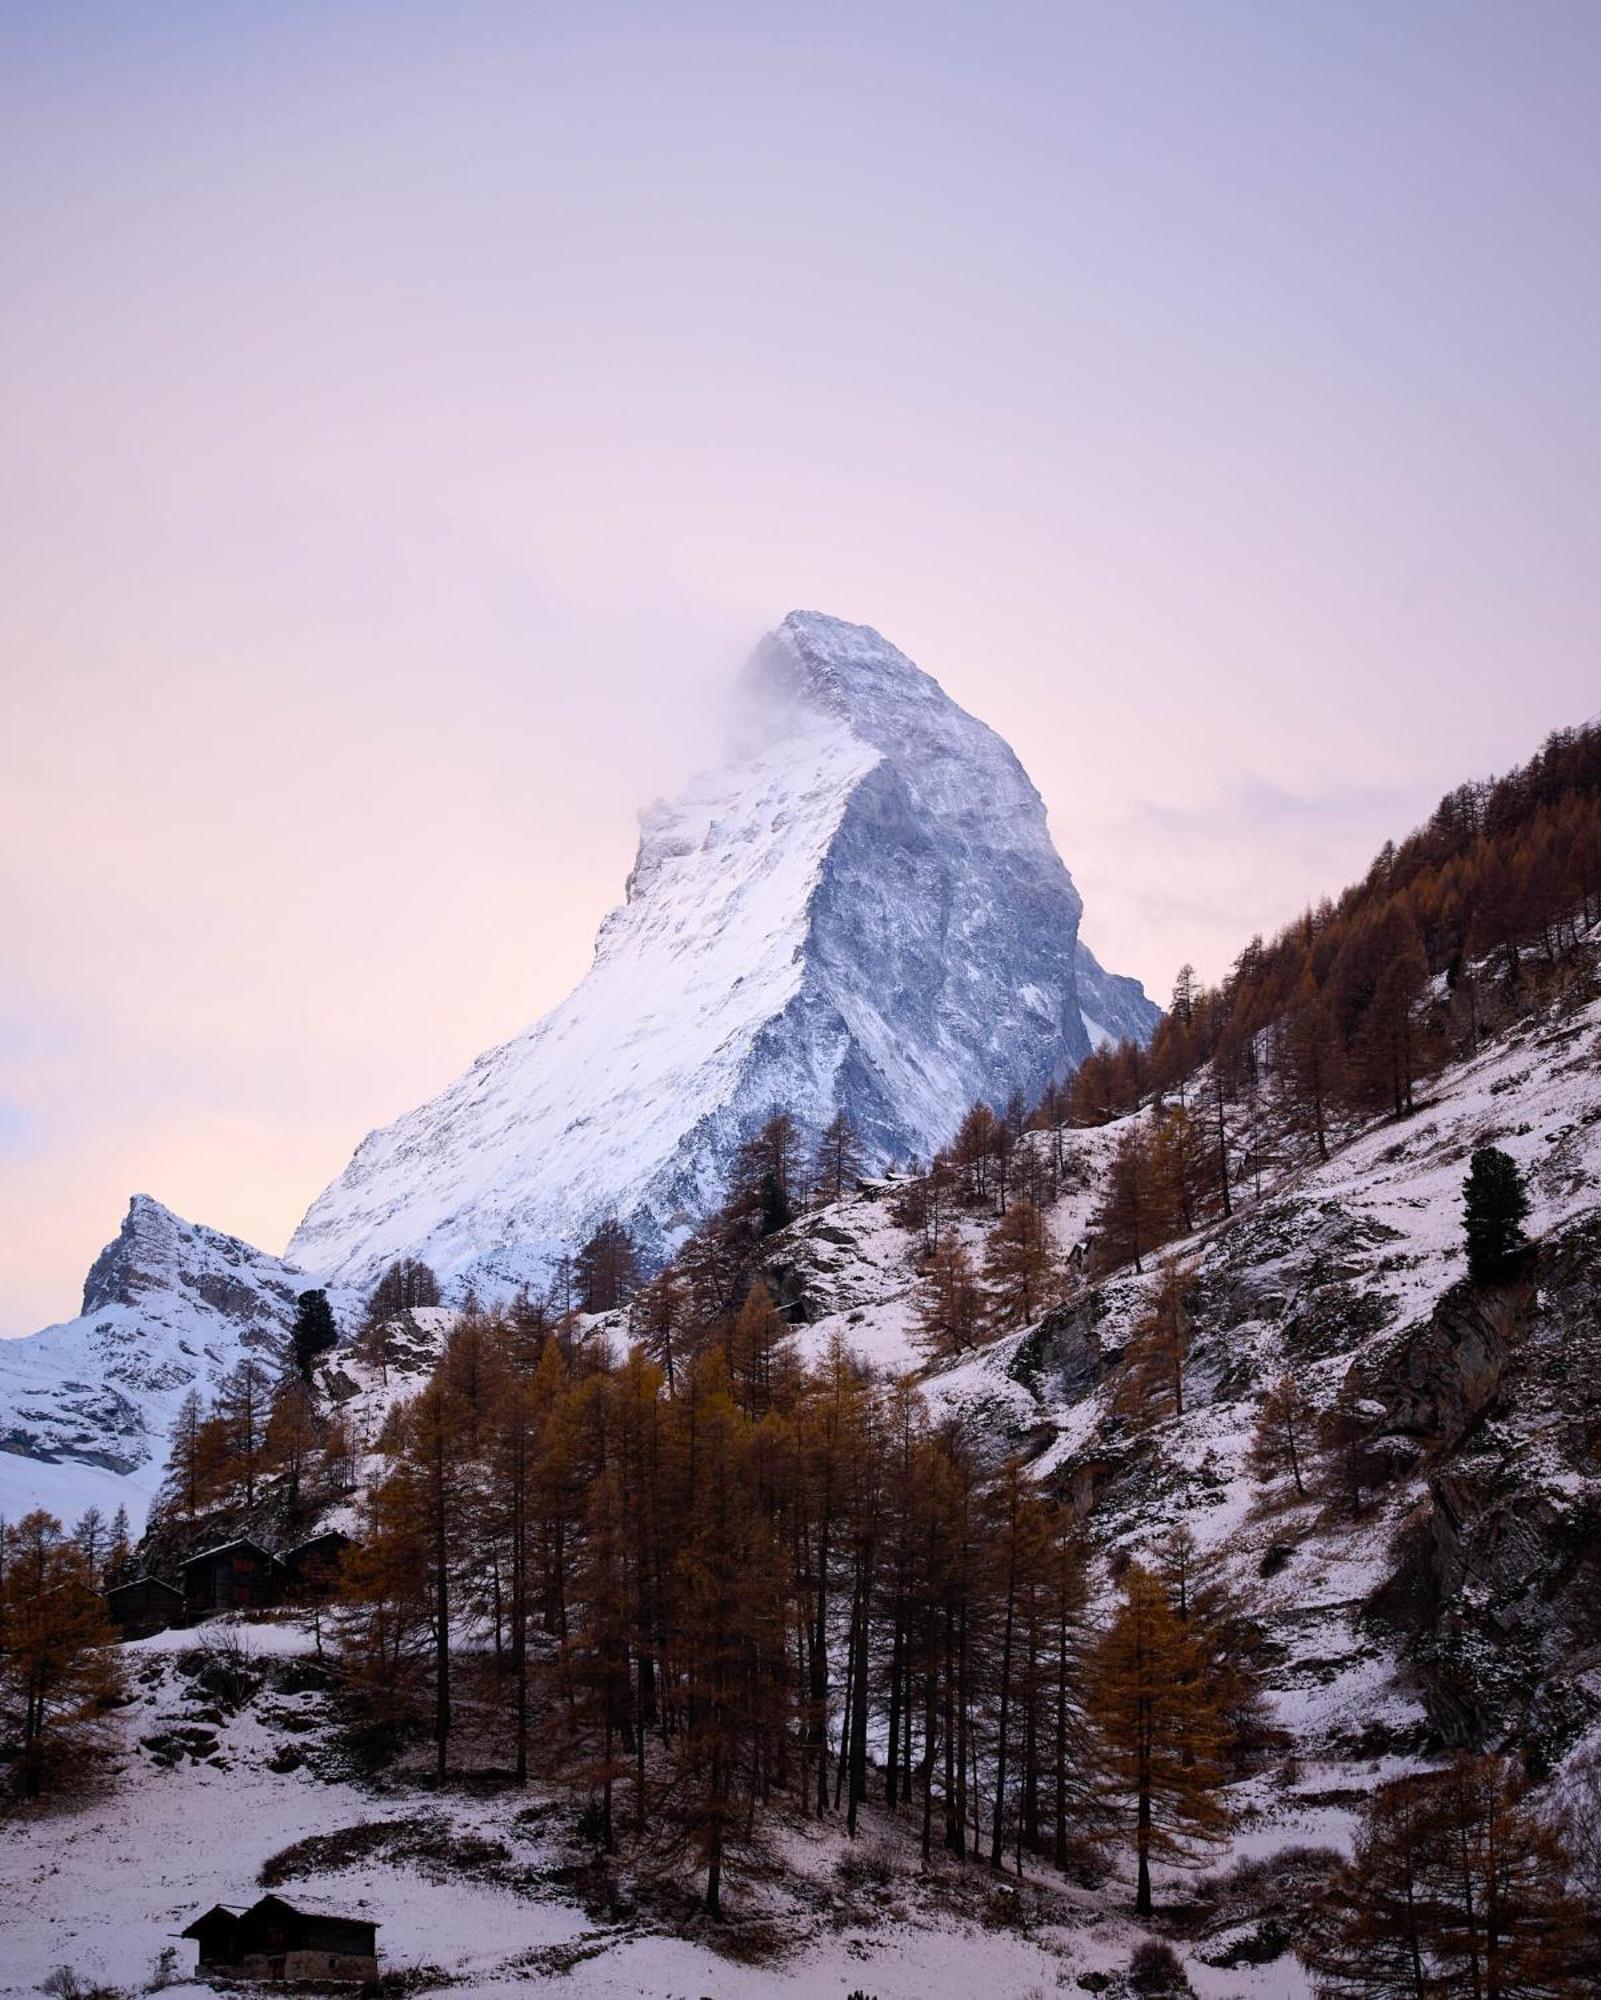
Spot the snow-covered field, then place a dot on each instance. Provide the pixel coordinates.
(103, 1885)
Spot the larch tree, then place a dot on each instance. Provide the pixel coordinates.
(840, 1156)
(1022, 1269)
(1162, 1737)
(1284, 1442)
(1150, 1385)
(1124, 1222)
(659, 1316)
(1455, 1886)
(58, 1666)
(606, 1269)
(244, 1399)
(183, 1486)
(950, 1305)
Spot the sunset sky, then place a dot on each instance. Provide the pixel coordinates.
(412, 415)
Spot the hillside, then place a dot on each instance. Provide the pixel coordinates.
(169, 1306)
(1461, 1603)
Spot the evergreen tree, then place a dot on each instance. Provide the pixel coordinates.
(313, 1332)
(1495, 1206)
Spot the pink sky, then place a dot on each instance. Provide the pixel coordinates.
(411, 417)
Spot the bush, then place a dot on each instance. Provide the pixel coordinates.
(1155, 1968)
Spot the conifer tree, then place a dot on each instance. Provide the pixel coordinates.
(183, 1486)
(1286, 1435)
(1125, 1222)
(91, 1538)
(58, 1667)
(606, 1269)
(1495, 1206)
(314, 1331)
(839, 1158)
(243, 1399)
(1456, 1886)
(660, 1309)
(1021, 1266)
(405, 1285)
(1151, 1383)
(1161, 1733)
(950, 1308)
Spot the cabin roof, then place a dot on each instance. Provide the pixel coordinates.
(223, 1548)
(237, 1913)
(143, 1583)
(314, 1541)
(232, 1911)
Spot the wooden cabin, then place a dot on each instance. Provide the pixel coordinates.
(144, 1604)
(237, 1576)
(311, 1570)
(274, 1940)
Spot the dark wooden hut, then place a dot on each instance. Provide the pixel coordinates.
(144, 1604)
(275, 1940)
(311, 1570)
(237, 1576)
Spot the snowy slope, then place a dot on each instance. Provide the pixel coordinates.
(1345, 1269)
(86, 1406)
(861, 908)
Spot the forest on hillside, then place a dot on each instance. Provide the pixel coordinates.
(618, 1539)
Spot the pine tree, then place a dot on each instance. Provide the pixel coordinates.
(313, 1332)
(1160, 1731)
(1495, 1206)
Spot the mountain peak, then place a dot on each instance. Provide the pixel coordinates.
(860, 910)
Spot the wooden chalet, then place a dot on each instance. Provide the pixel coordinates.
(311, 1570)
(275, 1940)
(237, 1576)
(144, 1604)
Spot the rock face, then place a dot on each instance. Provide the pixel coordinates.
(168, 1306)
(861, 909)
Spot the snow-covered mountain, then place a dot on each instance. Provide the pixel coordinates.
(86, 1407)
(862, 908)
